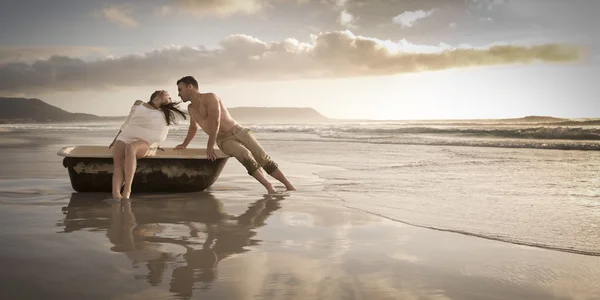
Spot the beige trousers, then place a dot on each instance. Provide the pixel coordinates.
(240, 143)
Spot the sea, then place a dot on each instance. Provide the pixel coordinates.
(528, 184)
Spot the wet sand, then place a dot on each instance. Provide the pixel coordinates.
(232, 242)
(225, 245)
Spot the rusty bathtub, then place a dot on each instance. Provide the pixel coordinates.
(173, 170)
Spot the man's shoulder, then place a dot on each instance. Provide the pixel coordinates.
(210, 95)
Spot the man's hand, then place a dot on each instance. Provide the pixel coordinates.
(211, 153)
(180, 146)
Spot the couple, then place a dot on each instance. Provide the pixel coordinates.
(147, 127)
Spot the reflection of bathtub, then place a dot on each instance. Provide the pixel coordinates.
(183, 170)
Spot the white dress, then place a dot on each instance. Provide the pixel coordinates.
(145, 124)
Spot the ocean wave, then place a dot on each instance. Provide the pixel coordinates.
(535, 144)
(542, 137)
(561, 133)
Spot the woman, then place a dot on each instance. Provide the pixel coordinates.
(143, 131)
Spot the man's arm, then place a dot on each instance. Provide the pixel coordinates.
(192, 130)
(213, 110)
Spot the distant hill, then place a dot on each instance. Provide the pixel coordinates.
(22, 110)
(37, 111)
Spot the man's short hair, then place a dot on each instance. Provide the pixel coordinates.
(187, 80)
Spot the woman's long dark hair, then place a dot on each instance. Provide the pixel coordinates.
(168, 110)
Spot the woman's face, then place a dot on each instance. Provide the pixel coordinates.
(165, 99)
(162, 99)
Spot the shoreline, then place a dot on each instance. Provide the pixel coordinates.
(486, 237)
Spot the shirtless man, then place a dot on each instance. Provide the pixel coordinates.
(207, 111)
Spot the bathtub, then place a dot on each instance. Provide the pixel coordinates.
(173, 170)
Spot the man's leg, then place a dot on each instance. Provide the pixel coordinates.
(263, 159)
(277, 174)
(260, 177)
(243, 155)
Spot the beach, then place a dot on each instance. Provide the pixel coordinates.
(379, 213)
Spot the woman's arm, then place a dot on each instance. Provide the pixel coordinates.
(127, 120)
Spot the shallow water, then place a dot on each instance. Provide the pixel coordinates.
(229, 244)
(548, 198)
(543, 197)
(343, 235)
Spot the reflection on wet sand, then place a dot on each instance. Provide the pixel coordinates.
(190, 234)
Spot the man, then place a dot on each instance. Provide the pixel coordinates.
(207, 111)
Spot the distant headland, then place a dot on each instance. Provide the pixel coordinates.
(24, 110)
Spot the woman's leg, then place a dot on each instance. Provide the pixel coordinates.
(118, 171)
(133, 152)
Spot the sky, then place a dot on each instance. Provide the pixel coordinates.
(350, 59)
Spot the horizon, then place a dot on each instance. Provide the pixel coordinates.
(347, 59)
(338, 119)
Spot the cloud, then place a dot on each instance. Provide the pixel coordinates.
(408, 18)
(222, 8)
(245, 58)
(162, 11)
(346, 19)
(119, 15)
(31, 54)
(226, 8)
(485, 4)
(340, 4)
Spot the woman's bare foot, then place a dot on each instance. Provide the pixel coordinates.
(126, 194)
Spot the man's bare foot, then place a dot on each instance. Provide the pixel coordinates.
(117, 196)
(290, 188)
